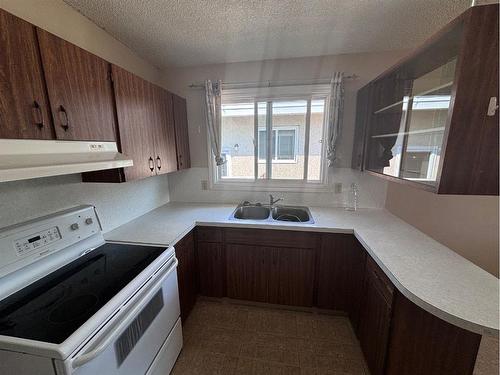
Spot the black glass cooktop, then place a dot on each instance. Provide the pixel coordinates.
(51, 309)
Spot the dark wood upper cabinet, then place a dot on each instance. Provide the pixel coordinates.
(181, 132)
(425, 122)
(24, 110)
(164, 131)
(471, 160)
(145, 127)
(135, 122)
(80, 90)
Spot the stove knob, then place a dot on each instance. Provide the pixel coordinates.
(74, 226)
(89, 221)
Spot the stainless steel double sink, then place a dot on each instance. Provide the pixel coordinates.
(262, 212)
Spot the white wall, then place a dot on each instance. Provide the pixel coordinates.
(468, 224)
(116, 203)
(186, 185)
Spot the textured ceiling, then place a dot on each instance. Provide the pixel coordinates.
(195, 32)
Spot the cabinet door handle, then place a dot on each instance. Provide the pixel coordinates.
(158, 163)
(151, 164)
(37, 115)
(492, 106)
(63, 118)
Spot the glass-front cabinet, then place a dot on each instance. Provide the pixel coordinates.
(424, 121)
(406, 138)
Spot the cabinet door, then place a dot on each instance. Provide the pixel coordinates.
(80, 91)
(375, 319)
(421, 343)
(181, 132)
(341, 264)
(472, 150)
(211, 268)
(292, 276)
(186, 274)
(164, 132)
(24, 110)
(248, 271)
(133, 96)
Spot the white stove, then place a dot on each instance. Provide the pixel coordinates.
(72, 303)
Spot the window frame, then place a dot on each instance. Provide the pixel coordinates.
(292, 185)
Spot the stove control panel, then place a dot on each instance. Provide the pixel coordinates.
(52, 238)
(37, 240)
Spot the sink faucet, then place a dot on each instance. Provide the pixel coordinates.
(272, 201)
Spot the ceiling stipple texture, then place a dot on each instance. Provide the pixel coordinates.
(195, 32)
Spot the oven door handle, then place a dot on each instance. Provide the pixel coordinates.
(129, 314)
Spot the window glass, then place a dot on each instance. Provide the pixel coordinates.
(237, 127)
(286, 145)
(262, 140)
(316, 139)
(288, 122)
(273, 139)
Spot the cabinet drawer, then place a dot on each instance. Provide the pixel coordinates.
(270, 237)
(209, 234)
(380, 279)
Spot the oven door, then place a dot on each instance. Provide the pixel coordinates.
(130, 341)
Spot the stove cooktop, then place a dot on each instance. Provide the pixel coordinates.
(51, 309)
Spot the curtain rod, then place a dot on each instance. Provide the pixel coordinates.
(274, 83)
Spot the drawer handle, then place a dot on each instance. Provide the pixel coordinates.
(158, 163)
(63, 118)
(37, 115)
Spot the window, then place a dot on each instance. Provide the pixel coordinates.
(272, 139)
(283, 145)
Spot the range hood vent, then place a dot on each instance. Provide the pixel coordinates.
(22, 159)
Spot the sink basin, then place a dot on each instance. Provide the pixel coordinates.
(278, 213)
(251, 213)
(291, 213)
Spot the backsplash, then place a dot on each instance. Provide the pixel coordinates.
(185, 186)
(116, 203)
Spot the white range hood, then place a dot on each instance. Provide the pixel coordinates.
(22, 159)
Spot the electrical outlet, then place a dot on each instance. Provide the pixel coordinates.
(337, 187)
(204, 185)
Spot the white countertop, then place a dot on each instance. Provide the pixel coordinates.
(426, 272)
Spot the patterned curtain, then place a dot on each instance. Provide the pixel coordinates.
(212, 101)
(335, 115)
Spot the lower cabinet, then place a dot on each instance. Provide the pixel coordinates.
(248, 272)
(421, 343)
(331, 271)
(282, 276)
(340, 274)
(292, 277)
(186, 274)
(211, 269)
(375, 317)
